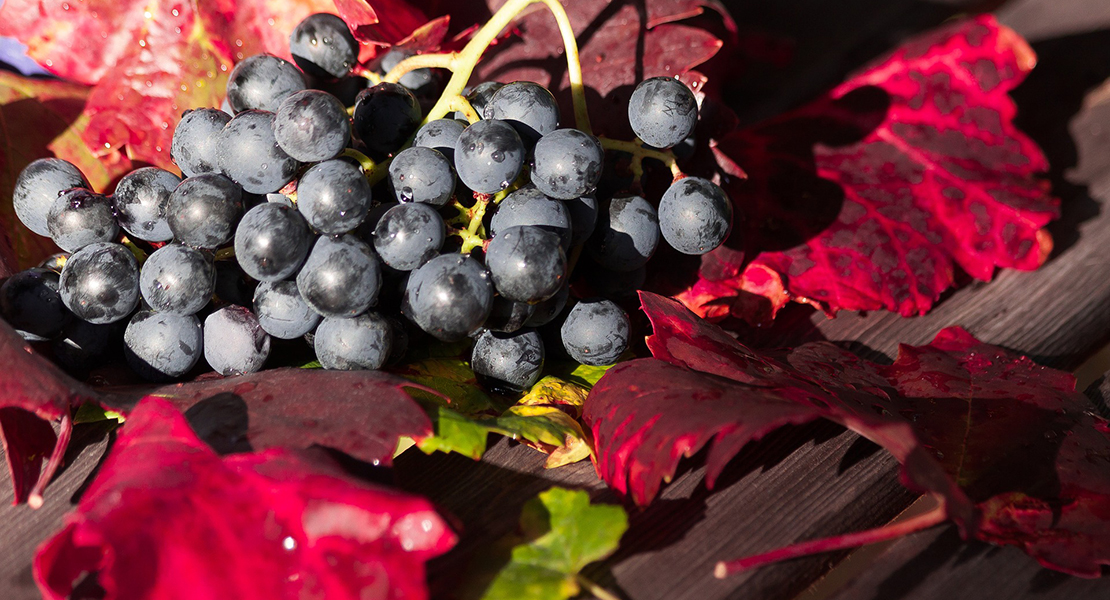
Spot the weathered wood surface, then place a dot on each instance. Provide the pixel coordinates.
(817, 480)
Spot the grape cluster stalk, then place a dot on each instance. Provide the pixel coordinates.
(366, 225)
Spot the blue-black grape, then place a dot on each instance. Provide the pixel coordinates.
(529, 206)
(177, 279)
(161, 346)
(583, 218)
(82, 345)
(196, 139)
(409, 235)
(595, 332)
(449, 297)
(30, 303)
(567, 164)
(281, 311)
(250, 155)
(204, 210)
(489, 156)
(39, 184)
(420, 81)
(322, 46)
(333, 196)
(441, 135)
(695, 216)
(100, 283)
(234, 342)
(508, 316)
(662, 111)
(527, 263)
(509, 361)
(362, 342)
(312, 126)
(479, 96)
(81, 217)
(272, 241)
(385, 116)
(419, 174)
(527, 106)
(626, 234)
(341, 278)
(141, 200)
(261, 82)
(546, 311)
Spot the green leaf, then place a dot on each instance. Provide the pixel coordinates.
(548, 429)
(562, 533)
(454, 432)
(583, 375)
(453, 378)
(92, 413)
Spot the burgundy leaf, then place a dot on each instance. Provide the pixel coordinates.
(1011, 448)
(873, 195)
(166, 517)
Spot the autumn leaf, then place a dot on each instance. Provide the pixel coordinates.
(149, 61)
(274, 524)
(872, 196)
(1012, 449)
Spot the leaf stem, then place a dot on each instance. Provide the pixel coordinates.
(599, 592)
(421, 61)
(850, 540)
(639, 152)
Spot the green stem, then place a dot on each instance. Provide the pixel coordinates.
(373, 171)
(639, 153)
(599, 592)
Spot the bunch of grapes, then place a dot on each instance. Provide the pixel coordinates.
(357, 230)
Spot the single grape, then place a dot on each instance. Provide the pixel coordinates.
(507, 316)
(261, 82)
(409, 235)
(196, 139)
(527, 106)
(100, 283)
(546, 311)
(385, 116)
(312, 126)
(333, 196)
(80, 217)
(204, 210)
(161, 346)
(420, 174)
(512, 361)
(322, 46)
(341, 278)
(141, 200)
(234, 342)
(420, 81)
(626, 234)
(596, 332)
(449, 297)
(30, 303)
(82, 345)
(39, 184)
(362, 342)
(177, 279)
(583, 218)
(529, 206)
(489, 156)
(479, 96)
(250, 155)
(695, 216)
(662, 111)
(281, 311)
(272, 242)
(567, 164)
(441, 135)
(527, 263)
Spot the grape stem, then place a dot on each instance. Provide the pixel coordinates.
(598, 592)
(461, 104)
(373, 171)
(366, 73)
(639, 152)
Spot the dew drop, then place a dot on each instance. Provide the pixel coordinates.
(175, 12)
(289, 544)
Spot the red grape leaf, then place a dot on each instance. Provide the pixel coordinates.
(167, 517)
(149, 60)
(41, 118)
(360, 413)
(1014, 451)
(871, 196)
(402, 19)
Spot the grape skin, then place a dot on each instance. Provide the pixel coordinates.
(385, 116)
(196, 139)
(527, 264)
(409, 235)
(449, 297)
(626, 234)
(204, 210)
(81, 217)
(362, 342)
(30, 303)
(441, 135)
(177, 279)
(546, 311)
(100, 283)
(341, 278)
(513, 361)
(282, 312)
(595, 332)
(567, 164)
(662, 111)
(271, 242)
(529, 206)
(695, 216)
(322, 45)
(420, 81)
(234, 342)
(261, 82)
(312, 126)
(250, 155)
(39, 184)
(583, 218)
(141, 200)
(528, 107)
(161, 346)
(420, 174)
(333, 196)
(489, 156)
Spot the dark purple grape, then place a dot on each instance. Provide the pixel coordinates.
(261, 82)
(272, 242)
(546, 311)
(409, 235)
(441, 135)
(509, 361)
(507, 316)
(204, 210)
(448, 297)
(30, 303)
(489, 156)
(626, 234)
(567, 164)
(250, 155)
(362, 342)
(81, 217)
(527, 264)
(527, 106)
(529, 206)
(341, 278)
(142, 198)
(596, 332)
(162, 346)
(312, 126)
(234, 342)
(323, 46)
(333, 196)
(177, 279)
(420, 81)
(421, 174)
(282, 312)
(662, 111)
(39, 184)
(385, 116)
(196, 139)
(100, 283)
(479, 96)
(695, 216)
